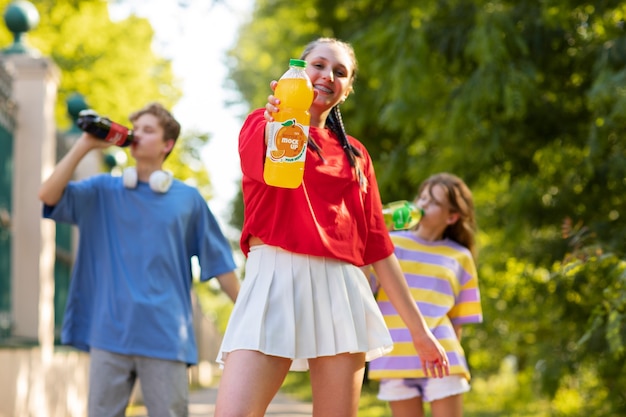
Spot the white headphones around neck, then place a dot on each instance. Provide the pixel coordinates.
(160, 181)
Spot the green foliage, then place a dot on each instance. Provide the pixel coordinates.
(592, 286)
(566, 323)
(186, 164)
(505, 393)
(112, 64)
(214, 302)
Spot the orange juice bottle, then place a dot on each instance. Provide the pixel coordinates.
(289, 132)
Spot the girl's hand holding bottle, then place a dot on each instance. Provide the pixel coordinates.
(272, 104)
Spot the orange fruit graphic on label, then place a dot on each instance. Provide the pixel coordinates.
(277, 154)
(290, 139)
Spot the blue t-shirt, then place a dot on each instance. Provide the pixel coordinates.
(130, 291)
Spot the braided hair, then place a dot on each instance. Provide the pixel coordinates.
(335, 122)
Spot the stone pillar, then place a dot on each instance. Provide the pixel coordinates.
(35, 82)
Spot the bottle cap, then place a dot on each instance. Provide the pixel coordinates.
(297, 63)
(87, 112)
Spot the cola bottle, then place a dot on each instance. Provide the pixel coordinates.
(104, 128)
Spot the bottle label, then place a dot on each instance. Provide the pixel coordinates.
(287, 141)
(117, 134)
(401, 215)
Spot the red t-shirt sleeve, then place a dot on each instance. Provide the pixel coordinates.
(252, 145)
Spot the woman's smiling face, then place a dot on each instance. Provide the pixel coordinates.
(331, 70)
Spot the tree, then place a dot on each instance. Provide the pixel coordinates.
(111, 63)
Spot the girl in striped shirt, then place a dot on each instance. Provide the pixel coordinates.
(438, 261)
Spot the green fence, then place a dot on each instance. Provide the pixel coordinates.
(64, 259)
(7, 124)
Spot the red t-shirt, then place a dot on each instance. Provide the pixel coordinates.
(328, 215)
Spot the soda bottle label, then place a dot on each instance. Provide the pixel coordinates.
(401, 217)
(287, 141)
(117, 134)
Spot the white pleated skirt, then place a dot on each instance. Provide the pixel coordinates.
(302, 307)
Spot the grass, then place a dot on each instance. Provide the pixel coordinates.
(499, 395)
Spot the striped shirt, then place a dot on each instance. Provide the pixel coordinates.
(443, 281)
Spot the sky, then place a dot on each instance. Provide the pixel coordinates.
(195, 34)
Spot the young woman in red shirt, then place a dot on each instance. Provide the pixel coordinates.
(305, 304)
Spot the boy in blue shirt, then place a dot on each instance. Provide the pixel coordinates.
(129, 301)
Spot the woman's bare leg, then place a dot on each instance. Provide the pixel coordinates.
(336, 384)
(249, 382)
(412, 407)
(448, 407)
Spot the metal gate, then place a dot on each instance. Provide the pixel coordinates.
(7, 125)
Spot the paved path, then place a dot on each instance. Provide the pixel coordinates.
(202, 403)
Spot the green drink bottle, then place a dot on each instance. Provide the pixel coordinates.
(401, 215)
